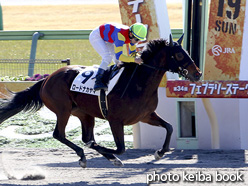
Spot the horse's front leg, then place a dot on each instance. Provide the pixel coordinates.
(154, 119)
(118, 133)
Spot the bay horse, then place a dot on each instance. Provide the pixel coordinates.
(137, 104)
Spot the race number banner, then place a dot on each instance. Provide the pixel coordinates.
(152, 13)
(207, 89)
(224, 42)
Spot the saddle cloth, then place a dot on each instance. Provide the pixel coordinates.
(85, 80)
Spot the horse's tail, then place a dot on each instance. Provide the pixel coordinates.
(26, 100)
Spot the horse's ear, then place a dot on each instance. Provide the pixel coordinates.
(180, 39)
(171, 41)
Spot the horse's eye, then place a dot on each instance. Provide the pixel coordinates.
(179, 56)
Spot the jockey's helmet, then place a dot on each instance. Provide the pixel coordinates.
(139, 31)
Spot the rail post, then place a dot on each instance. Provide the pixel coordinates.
(1, 18)
(35, 38)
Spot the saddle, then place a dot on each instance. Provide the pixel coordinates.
(84, 83)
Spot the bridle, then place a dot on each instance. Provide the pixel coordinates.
(178, 68)
(181, 68)
(174, 65)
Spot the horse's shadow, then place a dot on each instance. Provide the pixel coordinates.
(174, 159)
(83, 183)
(139, 162)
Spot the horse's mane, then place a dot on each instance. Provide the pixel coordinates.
(152, 48)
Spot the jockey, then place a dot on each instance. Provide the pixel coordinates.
(108, 40)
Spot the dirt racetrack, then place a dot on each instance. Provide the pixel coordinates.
(179, 167)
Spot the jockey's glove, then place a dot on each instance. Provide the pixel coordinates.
(135, 54)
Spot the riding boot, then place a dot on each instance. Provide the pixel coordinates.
(99, 81)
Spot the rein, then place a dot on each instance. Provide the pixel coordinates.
(154, 68)
(181, 68)
(129, 81)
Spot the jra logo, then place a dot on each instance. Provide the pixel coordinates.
(217, 50)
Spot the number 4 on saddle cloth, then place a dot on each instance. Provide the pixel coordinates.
(85, 80)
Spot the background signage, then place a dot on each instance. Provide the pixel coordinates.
(152, 13)
(224, 42)
(226, 64)
(207, 89)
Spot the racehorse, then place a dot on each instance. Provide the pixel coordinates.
(137, 104)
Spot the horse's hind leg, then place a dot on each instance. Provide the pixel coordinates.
(87, 123)
(56, 95)
(154, 119)
(118, 133)
(103, 151)
(59, 134)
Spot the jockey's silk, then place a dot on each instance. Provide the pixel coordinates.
(119, 35)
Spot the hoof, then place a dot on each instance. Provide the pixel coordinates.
(157, 156)
(117, 162)
(83, 163)
(89, 144)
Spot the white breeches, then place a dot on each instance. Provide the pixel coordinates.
(104, 49)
